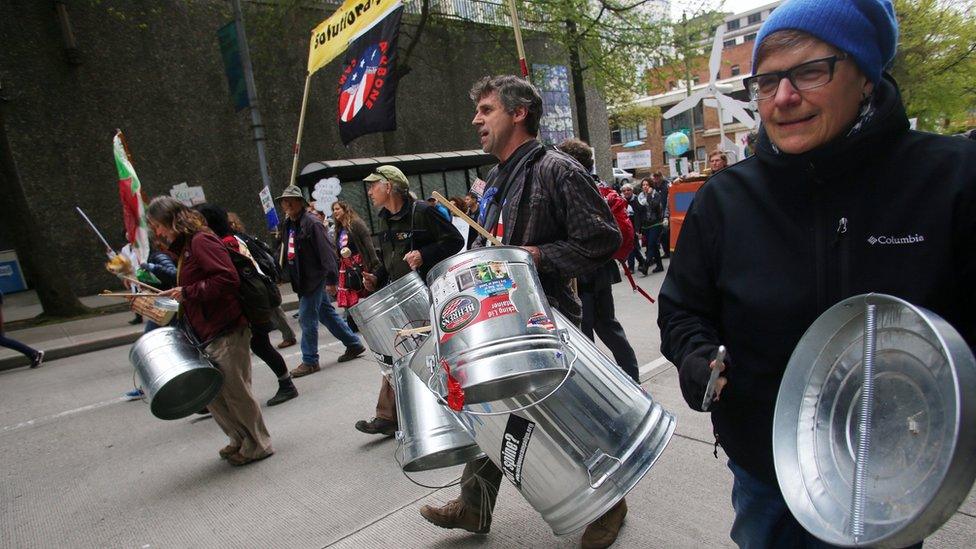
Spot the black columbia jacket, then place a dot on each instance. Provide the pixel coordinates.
(773, 241)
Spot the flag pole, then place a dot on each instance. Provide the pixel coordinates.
(518, 39)
(125, 143)
(301, 126)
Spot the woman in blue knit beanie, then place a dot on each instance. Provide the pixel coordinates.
(839, 199)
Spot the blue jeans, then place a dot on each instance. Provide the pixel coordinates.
(312, 309)
(762, 519)
(25, 350)
(653, 235)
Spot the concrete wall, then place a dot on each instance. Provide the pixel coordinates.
(154, 70)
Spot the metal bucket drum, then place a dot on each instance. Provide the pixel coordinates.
(402, 304)
(493, 325)
(574, 455)
(176, 376)
(431, 436)
(874, 429)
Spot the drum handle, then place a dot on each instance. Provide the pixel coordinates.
(396, 458)
(564, 335)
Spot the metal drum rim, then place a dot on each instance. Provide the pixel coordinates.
(374, 304)
(931, 515)
(519, 254)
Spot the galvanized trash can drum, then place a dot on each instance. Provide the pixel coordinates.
(431, 436)
(402, 304)
(176, 377)
(494, 327)
(884, 459)
(577, 453)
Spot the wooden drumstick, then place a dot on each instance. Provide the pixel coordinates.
(457, 211)
(412, 331)
(107, 293)
(143, 284)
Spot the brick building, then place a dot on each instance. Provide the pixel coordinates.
(738, 41)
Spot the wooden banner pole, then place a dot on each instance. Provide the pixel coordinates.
(301, 126)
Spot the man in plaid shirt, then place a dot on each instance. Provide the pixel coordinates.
(542, 200)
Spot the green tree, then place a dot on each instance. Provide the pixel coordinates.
(936, 62)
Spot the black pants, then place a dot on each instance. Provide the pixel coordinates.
(261, 346)
(599, 316)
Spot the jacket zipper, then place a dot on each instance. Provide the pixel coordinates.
(842, 242)
(820, 257)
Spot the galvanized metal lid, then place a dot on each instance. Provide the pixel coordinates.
(882, 461)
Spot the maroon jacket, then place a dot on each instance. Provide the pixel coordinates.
(210, 283)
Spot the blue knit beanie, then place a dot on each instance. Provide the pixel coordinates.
(866, 29)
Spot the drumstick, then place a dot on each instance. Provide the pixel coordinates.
(457, 211)
(412, 331)
(107, 293)
(143, 284)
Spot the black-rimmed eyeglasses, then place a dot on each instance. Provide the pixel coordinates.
(805, 76)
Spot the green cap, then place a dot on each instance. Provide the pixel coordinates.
(292, 191)
(391, 174)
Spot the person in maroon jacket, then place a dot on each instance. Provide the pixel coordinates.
(206, 287)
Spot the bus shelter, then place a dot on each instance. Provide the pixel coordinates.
(449, 173)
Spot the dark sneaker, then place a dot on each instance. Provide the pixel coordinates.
(603, 531)
(37, 360)
(305, 369)
(455, 514)
(134, 394)
(643, 270)
(351, 353)
(377, 426)
(285, 343)
(286, 392)
(658, 269)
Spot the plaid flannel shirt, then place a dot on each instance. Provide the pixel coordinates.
(552, 203)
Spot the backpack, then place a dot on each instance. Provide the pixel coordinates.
(259, 295)
(261, 253)
(618, 207)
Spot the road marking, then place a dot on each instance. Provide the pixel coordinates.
(60, 415)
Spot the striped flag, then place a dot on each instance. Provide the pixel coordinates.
(133, 205)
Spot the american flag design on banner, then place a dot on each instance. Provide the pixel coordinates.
(367, 85)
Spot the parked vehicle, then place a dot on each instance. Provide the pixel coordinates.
(622, 176)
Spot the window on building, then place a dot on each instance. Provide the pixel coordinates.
(700, 153)
(754, 17)
(683, 121)
(728, 43)
(750, 37)
(626, 135)
(696, 80)
(735, 70)
(732, 25)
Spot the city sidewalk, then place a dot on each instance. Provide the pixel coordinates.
(74, 337)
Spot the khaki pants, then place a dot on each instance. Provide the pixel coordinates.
(386, 403)
(234, 408)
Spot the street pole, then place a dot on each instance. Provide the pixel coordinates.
(252, 94)
(684, 55)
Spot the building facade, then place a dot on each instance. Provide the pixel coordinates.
(701, 123)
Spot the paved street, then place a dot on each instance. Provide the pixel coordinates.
(82, 467)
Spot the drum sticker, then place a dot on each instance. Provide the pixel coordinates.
(515, 443)
(492, 287)
(540, 320)
(458, 313)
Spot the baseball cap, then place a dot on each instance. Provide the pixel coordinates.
(391, 174)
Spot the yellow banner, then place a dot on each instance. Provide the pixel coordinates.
(332, 36)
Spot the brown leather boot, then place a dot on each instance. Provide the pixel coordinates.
(455, 514)
(603, 531)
